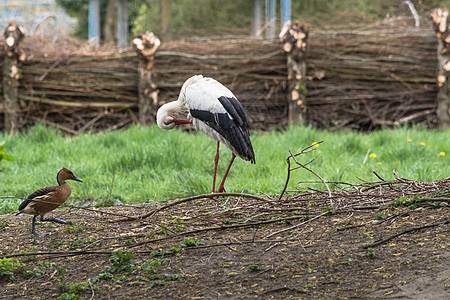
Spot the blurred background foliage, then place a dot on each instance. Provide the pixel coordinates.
(218, 17)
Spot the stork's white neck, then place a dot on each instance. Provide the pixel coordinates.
(166, 113)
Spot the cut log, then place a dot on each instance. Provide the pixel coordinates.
(294, 38)
(146, 46)
(442, 28)
(14, 35)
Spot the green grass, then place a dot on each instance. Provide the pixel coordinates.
(142, 164)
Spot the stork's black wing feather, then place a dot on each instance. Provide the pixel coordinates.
(234, 129)
(235, 109)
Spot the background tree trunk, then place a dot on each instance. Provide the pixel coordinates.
(110, 26)
(166, 11)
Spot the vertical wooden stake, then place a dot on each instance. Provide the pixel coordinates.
(146, 45)
(294, 37)
(441, 23)
(14, 35)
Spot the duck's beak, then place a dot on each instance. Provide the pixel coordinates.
(76, 178)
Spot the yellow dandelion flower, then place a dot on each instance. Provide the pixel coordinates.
(373, 155)
(409, 140)
(442, 153)
(319, 151)
(315, 144)
(422, 144)
(378, 162)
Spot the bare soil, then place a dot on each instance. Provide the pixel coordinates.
(240, 247)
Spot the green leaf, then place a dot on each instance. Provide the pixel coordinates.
(7, 157)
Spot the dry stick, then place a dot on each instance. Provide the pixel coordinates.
(179, 201)
(306, 150)
(400, 179)
(365, 157)
(57, 62)
(295, 226)
(379, 177)
(92, 289)
(287, 178)
(61, 253)
(98, 252)
(404, 232)
(235, 226)
(195, 231)
(367, 107)
(321, 179)
(92, 121)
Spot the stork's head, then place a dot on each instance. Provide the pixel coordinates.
(172, 114)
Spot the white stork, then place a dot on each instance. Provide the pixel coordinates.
(213, 109)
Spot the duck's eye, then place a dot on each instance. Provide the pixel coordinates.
(168, 122)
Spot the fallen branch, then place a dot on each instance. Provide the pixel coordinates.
(293, 156)
(184, 200)
(404, 232)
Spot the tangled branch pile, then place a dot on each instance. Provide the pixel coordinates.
(380, 75)
(73, 87)
(76, 88)
(279, 220)
(254, 69)
(372, 77)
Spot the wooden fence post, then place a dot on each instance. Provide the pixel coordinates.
(294, 37)
(14, 55)
(441, 23)
(146, 45)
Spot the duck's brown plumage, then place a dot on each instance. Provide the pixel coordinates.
(48, 198)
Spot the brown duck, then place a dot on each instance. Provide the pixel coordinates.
(48, 198)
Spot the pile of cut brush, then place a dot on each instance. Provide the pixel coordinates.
(379, 75)
(76, 88)
(280, 219)
(372, 76)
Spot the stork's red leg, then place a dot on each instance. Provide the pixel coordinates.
(216, 162)
(221, 189)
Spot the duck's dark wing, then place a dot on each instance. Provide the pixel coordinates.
(38, 193)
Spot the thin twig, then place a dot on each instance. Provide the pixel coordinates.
(317, 175)
(295, 226)
(404, 232)
(205, 196)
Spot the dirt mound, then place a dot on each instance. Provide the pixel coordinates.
(378, 240)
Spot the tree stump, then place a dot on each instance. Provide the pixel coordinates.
(14, 35)
(146, 45)
(294, 38)
(442, 29)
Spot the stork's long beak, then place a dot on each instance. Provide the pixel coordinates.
(179, 121)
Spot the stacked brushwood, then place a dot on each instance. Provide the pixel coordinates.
(76, 88)
(372, 77)
(255, 70)
(381, 75)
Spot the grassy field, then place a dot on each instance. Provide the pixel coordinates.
(142, 164)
